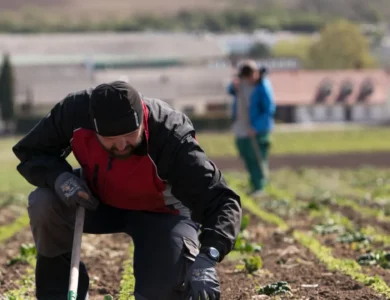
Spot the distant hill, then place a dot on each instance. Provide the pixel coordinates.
(211, 15)
(95, 9)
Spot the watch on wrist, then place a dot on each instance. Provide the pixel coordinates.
(211, 252)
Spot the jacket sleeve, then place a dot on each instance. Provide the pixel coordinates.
(42, 152)
(230, 89)
(261, 102)
(200, 185)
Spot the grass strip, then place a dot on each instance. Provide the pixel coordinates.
(270, 218)
(346, 266)
(249, 204)
(128, 280)
(7, 231)
(304, 142)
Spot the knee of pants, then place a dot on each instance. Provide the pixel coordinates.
(160, 284)
(42, 205)
(266, 145)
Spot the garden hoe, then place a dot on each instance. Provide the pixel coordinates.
(257, 151)
(75, 261)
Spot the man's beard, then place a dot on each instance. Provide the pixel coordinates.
(129, 149)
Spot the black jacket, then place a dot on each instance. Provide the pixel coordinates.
(172, 146)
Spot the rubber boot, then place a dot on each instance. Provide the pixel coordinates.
(52, 278)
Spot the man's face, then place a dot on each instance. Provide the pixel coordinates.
(122, 146)
(252, 78)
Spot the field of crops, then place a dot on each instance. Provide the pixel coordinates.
(315, 234)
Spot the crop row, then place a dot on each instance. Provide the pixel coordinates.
(323, 253)
(360, 236)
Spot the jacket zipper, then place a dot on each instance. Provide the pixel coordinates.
(108, 168)
(109, 165)
(95, 175)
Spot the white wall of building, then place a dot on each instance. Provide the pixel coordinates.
(370, 113)
(302, 114)
(336, 113)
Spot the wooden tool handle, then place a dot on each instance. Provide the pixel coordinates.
(83, 195)
(76, 250)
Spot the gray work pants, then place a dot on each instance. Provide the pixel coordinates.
(164, 245)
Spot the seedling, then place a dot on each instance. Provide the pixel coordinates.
(381, 258)
(243, 245)
(281, 207)
(281, 287)
(245, 222)
(27, 252)
(329, 227)
(313, 205)
(357, 240)
(354, 237)
(253, 263)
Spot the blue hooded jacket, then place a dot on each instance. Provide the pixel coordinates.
(262, 106)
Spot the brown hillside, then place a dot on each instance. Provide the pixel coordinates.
(99, 8)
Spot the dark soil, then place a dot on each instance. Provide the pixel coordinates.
(11, 274)
(104, 256)
(360, 220)
(283, 258)
(286, 260)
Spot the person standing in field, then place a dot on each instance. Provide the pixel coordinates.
(253, 110)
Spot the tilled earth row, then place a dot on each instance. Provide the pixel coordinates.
(286, 260)
(283, 258)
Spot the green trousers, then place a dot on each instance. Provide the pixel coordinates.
(245, 145)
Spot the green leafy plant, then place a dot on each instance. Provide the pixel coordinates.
(328, 227)
(280, 287)
(127, 283)
(253, 263)
(354, 237)
(245, 222)
(313, 205)
(381, 258)
(243, 245)
(282, 206)
(27, 252)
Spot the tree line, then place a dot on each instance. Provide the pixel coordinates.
(221, 21)
(339, 45)
(7, 93)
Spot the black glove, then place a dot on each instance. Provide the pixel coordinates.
(74, 191)
(202, 279)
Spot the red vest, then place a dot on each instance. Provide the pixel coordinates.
(130, 183)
